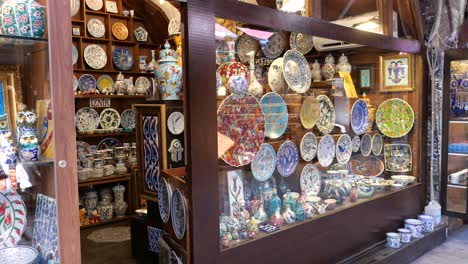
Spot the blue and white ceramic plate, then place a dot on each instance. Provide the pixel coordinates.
(95, 56)
(263, 165)
(366, 145)
(296, 71)
(308, 146)
(127, 119)
(274, 46)
(302, 42)
(343, 149)
(398, 157)
(87, 83)
(326, 151)
(238, 84)
(377, 144)
(310, 180)
(276, 114)
(164, 199)
(74, 54)
(109, 143)
(75, 83)
(179, 214)
(359, 117)
(122, 58)
(245, 44)
(326, 120)
(356, 143)
(287, 159)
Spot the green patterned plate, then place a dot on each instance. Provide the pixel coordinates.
(395, 118)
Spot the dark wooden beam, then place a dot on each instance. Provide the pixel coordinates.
(385, 8)
(313, 8)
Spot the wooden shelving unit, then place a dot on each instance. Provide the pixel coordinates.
(105, 180)
(113, 96)
(112, 221)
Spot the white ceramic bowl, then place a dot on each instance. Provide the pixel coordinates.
(403, 179)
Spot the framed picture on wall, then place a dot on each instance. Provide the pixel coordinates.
(366, 77)
(396, 73)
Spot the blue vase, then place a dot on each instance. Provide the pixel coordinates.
(274, 203)
(23, 18)
(27, 136)
(169, 74)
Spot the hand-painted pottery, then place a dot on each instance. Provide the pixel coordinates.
(95, 56)
(428, 222)
(142, 85)
(109, 118)
(343, 64)
(225, 51)
(301, 42)
(141, 35)
(244, 45)
(316, 72)
(122, 58)
(105, 84)
(74, 54)
(164, 199)
(366, 145)
(263, 165)
(393, 240)
(87, 83)
(105, 211)
(86, 119)
(75, 83)
(241, 129)
(178, 214)
(416, 227)
(13, 216)
(308, 146)
(309, 114)
(356, 143)
(120, 31)
(231, 68)
(377, 144)
(296, 71)
(359, 117)
(394, 118)
(128, 119)
(403, 179)
(370, 166)
(326, 119)
(23, 18)
(276, 114)
(238, 84)
(275, 76)
(19, 254)
(96, 28)
(176, 123)
(169, 74)
(310, 180)
(398, 157)
(8, 148)
(328, 69)
(274, 46)
(95, 5)
(343, 149)
(74, 7)
(405, 235)
(326, 150)
(287, 159)
(109, 143)
(151, 148)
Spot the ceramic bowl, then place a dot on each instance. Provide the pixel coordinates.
(313, 199)
(405, 235)
(83, 175)
(383, 185)
(416, 227)
(331, 203)
(403, 179)
(393, 240)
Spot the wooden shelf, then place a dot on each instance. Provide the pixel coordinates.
(105, 135)
(105, 180)
(113, 220)
(92, 12)
(176, 173)
(123, 42)
(114, 72)
(78, 21)
(321, 85)
(113, 96)
(457, 186)
(44, 162)
(458, 154)
(87, 39)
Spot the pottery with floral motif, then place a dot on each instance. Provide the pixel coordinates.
(169, 74)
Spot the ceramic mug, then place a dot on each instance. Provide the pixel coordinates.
(405, 235)
(416, 227)
(393, 240)
(428, 223)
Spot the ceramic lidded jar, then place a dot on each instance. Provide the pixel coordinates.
(90, 200)
(169, 74)
(24, 18)
(316, 72)
(105, 210)
(120, 206)
(120, 85)
(343, 64)
(328, 69)
(120, 167)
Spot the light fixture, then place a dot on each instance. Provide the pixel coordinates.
(368, 25)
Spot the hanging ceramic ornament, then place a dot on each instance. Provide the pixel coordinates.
(255, 88)
(328, 69)
(343, 64)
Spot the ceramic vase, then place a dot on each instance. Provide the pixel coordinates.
(23, 18)
(120, 85)
(169, 74)
(255, 88)
(277, 219)
(131, 90)
(252, 227)
(274, 203)
(328, 69)
(105, 211)
(98, 168)
(142, 64)
(299, 211)
(316, 72)
(288, 215)
(27, 136)
(106, 195)
(152, 65)
(120, 167)
(120, 206)
(343, 64)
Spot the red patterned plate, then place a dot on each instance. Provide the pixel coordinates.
(12, 218)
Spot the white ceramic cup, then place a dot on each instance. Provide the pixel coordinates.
(454, 178)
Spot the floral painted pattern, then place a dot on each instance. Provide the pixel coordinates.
(12, 218)
(151, 151)
(394, 118)
(45, 230)
(153, 235)
(24, 18)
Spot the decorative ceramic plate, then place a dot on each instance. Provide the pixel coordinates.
(12, 218)
(398, 157)
(276, 77)
(308, 146)
(109, 118)
(128, 119)
(74, 54)
(244, 45)
(164, 199)
(19, 255)
(263, 165)
(95, 5)
(360, 117)
(238, 84)
(296, 71)
(366, 166)
(310, 110)
(366, 145)
(343, 149)
(179, 214)
(141, 34)
(276, 114)
(356, 143)
(228, 69)
(176, 123)
(274, 46)
(105, 84)
(326, 119)
(87, 83)
(394, 118)
(75, 83)
(236, 146)
(120, 31)
(326, 150)
(287, 158)
(377, 144)
(96, 28)
(310, 180)
(95, 57)
(122, 58)
(261, 74)
(109, 143)
(74, 7)
(143, 83)
(301, 42)
(86, 119)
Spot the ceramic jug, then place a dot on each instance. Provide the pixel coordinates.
(255, 88)
(169, 74)
(316, 72)
(328, 69)
(274, 203)
(343, 64)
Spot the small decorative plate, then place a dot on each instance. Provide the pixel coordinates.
(74, 7)
(19, 255)
(105, 84)
(356, 143)
(86, 119)
(141, 35)
(366, 166)
(310, 111)
(244, 45)
(275, 76)
(109, 143)
(120, 31)
(179, 214)
(164, 199)
(74, 55)
(87, 83)
(237, 147)
(274, 46)
(122, 58)
(326, 150)
(308, 146)
(95, 5)
(143, 83)
(310, 180)
(326, 119)
(176, 123)
(263, 165)
(95, 56)
(343, 149)
(12, 219)
(360, 117)
(96, 28)
(276, 114)
(398, 157)
(366, 145)
(394, 118)
(109, 118)
(296, 71)
(287, 158)
(128, 119)
(75, 83)
(377, 144)
(301, 42)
